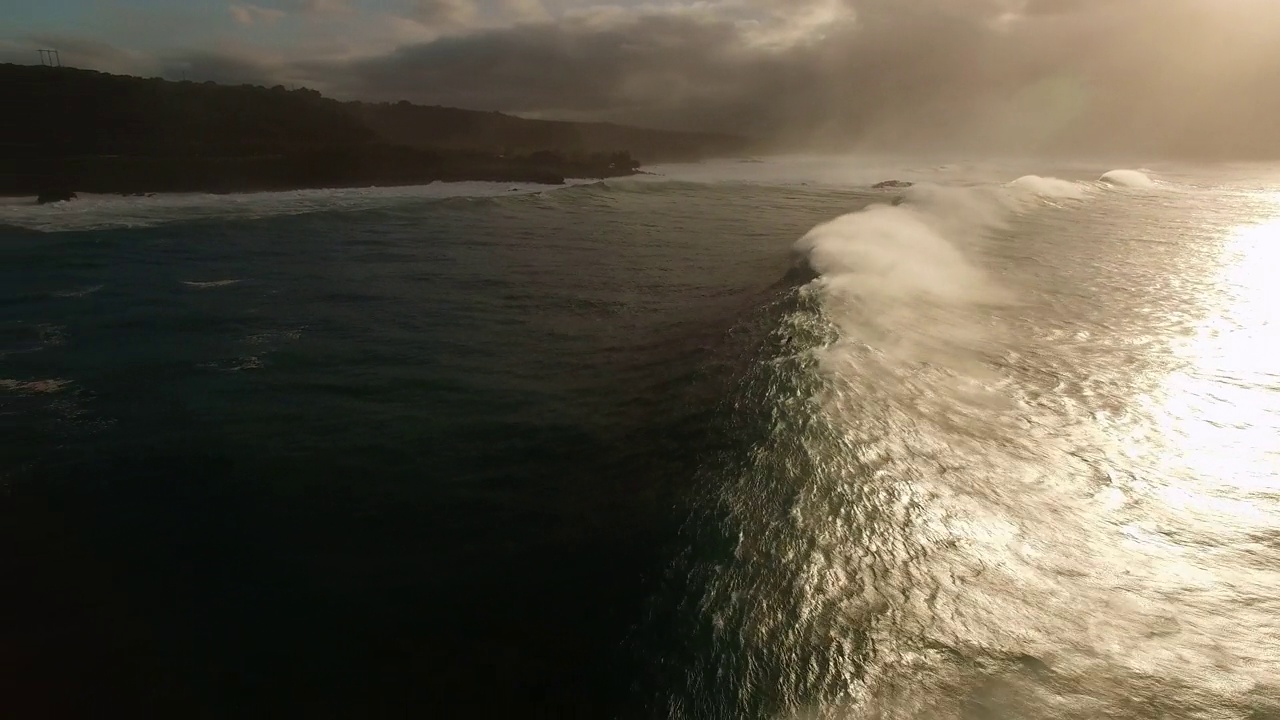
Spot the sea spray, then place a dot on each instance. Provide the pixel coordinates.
(1127, 178)
(1049, 187)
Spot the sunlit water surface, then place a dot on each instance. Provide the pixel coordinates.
(738, 440)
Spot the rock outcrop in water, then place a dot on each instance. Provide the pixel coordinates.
(52, 196)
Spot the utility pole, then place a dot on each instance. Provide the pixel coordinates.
(50, 58)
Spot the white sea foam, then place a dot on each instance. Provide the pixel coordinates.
(1127, 178)
(97, 212)
(887, 252)
(898, 282)
(1049, 187)
(34, 387)
(918, 248)
(902, 279)
(210, 284)
(78, 293)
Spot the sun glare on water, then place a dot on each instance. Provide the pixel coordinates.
(1220, 415)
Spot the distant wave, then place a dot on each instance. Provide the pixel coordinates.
(249, 362)
(103, 212)
(100, 212)
(1127, 178)
(82, 292)
(268, 337)
(24, 338)
(9, 228)
(210, 284)
(639, 184)
(1050, 187)
(34, 387)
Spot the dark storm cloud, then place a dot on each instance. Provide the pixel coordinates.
(324, 7)
(649, 64)
(443, 12)
(1175, 76)
(699, 69)
(80, 52)
(214, 67)
(190, 64)
(1197, 77)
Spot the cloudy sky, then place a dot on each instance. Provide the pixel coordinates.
(1171, 77)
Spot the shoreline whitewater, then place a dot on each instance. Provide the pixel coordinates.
(62, 179)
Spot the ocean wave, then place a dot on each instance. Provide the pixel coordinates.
(1050, 187)
(209, 284)
(628, 185)
(872, 406)
(34, 387)
(103, 212)
(274, 336)
(1127, 178)
(910, 303)
(78, 293)
(248, 362)
(911, 498)
(100, 212)
(22, 338)
(888, 253)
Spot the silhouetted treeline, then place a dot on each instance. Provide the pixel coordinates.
(62, 111)
(94, 132)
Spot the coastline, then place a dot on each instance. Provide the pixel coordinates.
(384, 166)
(85, 132)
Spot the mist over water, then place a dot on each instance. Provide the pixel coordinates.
(738, 440)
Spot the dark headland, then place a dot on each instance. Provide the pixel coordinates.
(67, 130)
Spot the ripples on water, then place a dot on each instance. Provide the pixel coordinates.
(1030, 470)
(1004, 450)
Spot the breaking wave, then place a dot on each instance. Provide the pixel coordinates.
(1050, 187)
(79, 292)
(210, 284)
(1127, 178)
(101, 212)
(34, 387)
(838, 566)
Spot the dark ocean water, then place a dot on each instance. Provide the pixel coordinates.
(626, 450)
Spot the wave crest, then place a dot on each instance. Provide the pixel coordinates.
(1127, 178)
(887, 252)
(1049, 187)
